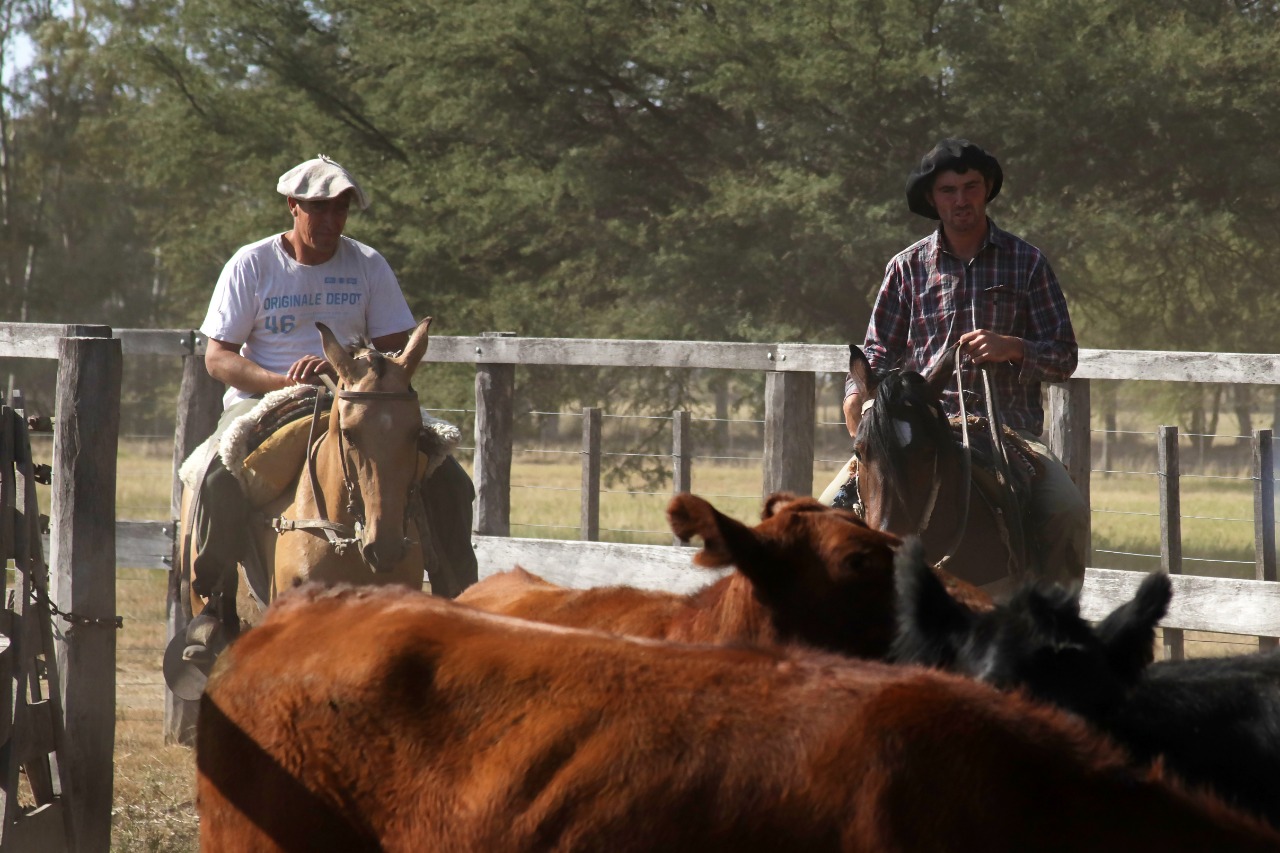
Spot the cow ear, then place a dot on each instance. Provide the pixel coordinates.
(725, 541)
(942, 371)
(1129, 633)
(931, 624)
(860, 372)
(774, 503)
(336, 354)
(415, 349)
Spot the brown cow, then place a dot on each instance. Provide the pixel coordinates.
(439, 727)
(807, 572)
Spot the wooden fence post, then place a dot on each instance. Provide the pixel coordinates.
(83, 557)
(1264, 517)
(199, 407)
(1170, 523)
(789, 416)
(495, 396)
(591, 459)
(681, 454)
(1067, 428)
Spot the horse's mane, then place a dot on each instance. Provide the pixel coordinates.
(903, 395)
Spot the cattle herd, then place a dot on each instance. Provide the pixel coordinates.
(832, 692)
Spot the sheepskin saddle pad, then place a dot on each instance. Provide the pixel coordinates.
(266, 447)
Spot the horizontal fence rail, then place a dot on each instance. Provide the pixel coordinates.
(39, 340)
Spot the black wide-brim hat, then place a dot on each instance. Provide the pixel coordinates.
(957, 155)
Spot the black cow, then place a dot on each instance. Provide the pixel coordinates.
(1215, 722)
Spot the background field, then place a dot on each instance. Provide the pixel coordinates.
(155, 783)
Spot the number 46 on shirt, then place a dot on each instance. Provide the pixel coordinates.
(284, 326)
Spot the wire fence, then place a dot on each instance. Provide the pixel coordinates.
(827, 464)
(734, 443)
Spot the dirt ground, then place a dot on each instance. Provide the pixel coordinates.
(154, 808)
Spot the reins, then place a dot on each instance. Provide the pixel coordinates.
(966, 469)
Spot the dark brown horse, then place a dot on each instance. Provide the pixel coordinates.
(914, 477)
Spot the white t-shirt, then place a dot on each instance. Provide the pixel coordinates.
(269, 303)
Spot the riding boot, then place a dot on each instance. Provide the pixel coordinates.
(447, 496)
(222, 524)
(1060, 518)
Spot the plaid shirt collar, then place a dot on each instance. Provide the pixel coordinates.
(996, 238)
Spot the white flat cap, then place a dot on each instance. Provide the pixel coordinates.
(320, 178)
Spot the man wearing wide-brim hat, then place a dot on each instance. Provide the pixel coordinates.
(261, 325)
(969, 282)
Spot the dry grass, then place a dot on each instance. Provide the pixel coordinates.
(154, 807)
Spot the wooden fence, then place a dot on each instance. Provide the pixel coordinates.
(1247, 607)
(82, 563)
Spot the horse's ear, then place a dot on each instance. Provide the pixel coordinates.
(415, 349)
(942, 370)
(337, 354)
(860, 371)
(1129, 633)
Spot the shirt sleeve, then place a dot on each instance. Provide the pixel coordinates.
(232, 309)
(387, 312)
(1050, 352)
(886, 339)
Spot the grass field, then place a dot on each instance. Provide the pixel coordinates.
(154, 783)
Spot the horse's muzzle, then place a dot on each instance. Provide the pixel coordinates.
(382, 555)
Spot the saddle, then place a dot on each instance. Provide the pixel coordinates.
(1012, 502)
(1024, 467)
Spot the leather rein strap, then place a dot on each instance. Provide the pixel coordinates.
(966, 476)
(999, 454)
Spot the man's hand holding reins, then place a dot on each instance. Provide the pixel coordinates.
(308, 370)
(983, 346)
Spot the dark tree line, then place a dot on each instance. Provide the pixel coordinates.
(728, 171)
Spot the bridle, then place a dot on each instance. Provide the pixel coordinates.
(1000, 455)
(342, 536)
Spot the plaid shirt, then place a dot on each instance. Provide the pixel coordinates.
(930, 297)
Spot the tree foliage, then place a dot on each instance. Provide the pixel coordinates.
(730, 170)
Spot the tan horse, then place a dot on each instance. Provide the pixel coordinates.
(347, 517)
(352, 515)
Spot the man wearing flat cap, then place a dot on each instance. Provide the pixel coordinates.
(262, 337)
(995, 294)
(261, 320)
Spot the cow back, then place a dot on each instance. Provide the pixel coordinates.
(435, 726)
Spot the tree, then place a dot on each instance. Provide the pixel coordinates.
(695, 170)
